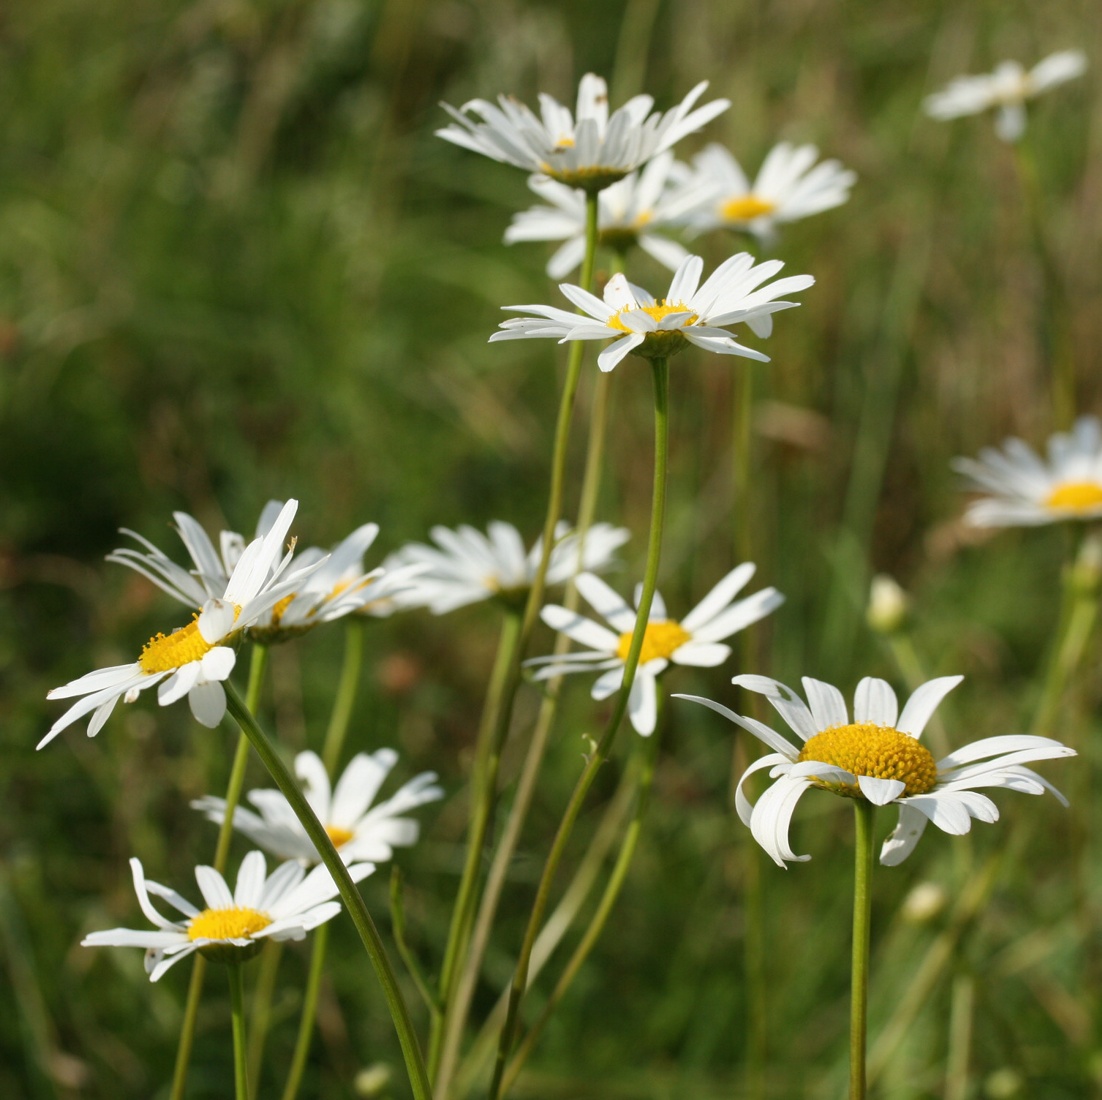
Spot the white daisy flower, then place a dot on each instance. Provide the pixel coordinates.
(789, 186)
(628, 213)
(1005, 90)
(694, 640)
(284, 905)
(1027, 490)
(470, 566)
(358, 830)
(877, 757)
(195, 659)
(690, 313)
(590, 149)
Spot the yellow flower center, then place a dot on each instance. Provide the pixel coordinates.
(227, 924)
(1075, 496)
(745, 208)
(658, 312)
(165, 652)
(878, 752)
(339, 835)
(661, 639)
(565, 142)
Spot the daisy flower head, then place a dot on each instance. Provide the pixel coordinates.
(234, 924)
(1005, 91)
(695, 640)
(877, 757)
(656, 328)
(196, 659)
(789, 186)
(467, 566)
(628, 214)
(1026, 489)
(358, 829)
(591, 148)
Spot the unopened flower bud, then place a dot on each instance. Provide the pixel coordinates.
(888, 605)
(924, 902)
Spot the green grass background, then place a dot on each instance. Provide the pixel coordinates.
(235, 263)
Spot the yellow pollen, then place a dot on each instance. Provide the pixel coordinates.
(662, 309)
(1075, 496)
(660, 640)
(565, 142)
(745, 208)
(338, 834)
(280, 607)
(165, 652)
(227, 924)
(878, 752)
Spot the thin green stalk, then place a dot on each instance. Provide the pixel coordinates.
(864, 816)
(347, 687)
(350, 895)
(600, 750)
(258, 664)
(260, 1014)
(240, 1056)
(961, 1014)
(648, 755)
(309, 1013)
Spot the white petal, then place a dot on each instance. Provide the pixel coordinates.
(904, 836)
(922, 704)
(772, 816)
(875, 702)
(828, 707)
(880, 791)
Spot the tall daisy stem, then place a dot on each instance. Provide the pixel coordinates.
(865, 813)
(347, 688)
(240, 1055)
(601, 749)
(309, 1012)
(350, 895)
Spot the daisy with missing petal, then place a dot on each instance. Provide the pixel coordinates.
(358, 830)
(877, 758)
(195, 659)
(690, 313)
(591, 148)
(694, 640)
(1005, 91)
(234, 925)
(789, 186)
(628, 214)
(470, 566)
(1027, 490)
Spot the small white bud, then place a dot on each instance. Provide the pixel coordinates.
(888, 605)
(924, 902)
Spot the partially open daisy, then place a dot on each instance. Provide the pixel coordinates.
(591, 148)
(1027, 490)
(358, 830)
(877, 757)
(234, 925)
(789, 186)
(694, 640)
(653, 328)
(629, 214)
(1005, 91)
(467, 566)
(195, 659)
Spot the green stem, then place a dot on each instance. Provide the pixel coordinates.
(865, 814)
(345, 699)
(258, 664)
(240, 1057)
(309, 1013)
(350, 895)
(600, 750)
(260, 1016)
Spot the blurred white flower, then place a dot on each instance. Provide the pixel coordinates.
(358, 830)
(690, 313)
(1005, 90)
(590, 149)
(284, 905)
(695, 640)
(1027, 490)
(877, 757)
(888, 605)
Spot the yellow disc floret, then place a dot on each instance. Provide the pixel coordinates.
(1075, 496)
(745, 208)
(166, 652)
(658, 311)
(661, 639)
(227, 924)
(338, 834)
(878, 752)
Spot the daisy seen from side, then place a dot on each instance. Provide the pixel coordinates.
(691, 313)
(695, 640)
(878, 758)
(234, 924)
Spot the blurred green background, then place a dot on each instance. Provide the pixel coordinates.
(236, 264)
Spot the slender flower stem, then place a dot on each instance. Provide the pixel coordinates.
(600, 750)
(350, 895)
(240, 1057)
(258, 664)
(260, 1013)
(347, 687)
(865, 814)
(309, 1013)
